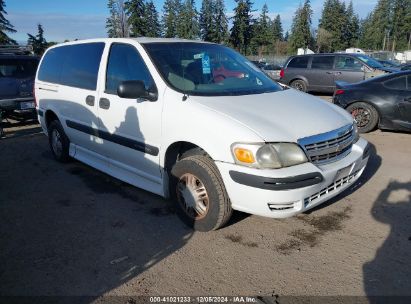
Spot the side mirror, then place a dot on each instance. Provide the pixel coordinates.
(134, 89)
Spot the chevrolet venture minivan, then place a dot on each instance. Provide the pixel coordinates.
(198, 123)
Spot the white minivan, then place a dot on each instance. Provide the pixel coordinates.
(196, 122)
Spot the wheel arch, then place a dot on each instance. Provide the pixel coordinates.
(369, 103)
(50, 116)
(176, 149)
(302, 78)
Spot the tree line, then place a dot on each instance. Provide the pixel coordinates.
(180, 19)
(37, 41)
(386, 27)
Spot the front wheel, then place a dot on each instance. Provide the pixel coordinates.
(199, 192)
(365, 115)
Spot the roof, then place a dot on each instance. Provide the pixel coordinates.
(142, 40)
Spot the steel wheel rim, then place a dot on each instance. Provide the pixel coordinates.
(192, 196)
(361, 116)
(56, 143)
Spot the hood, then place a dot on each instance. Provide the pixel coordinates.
(389, 69)
(280, 116)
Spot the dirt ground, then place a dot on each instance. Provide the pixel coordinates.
(70, 230)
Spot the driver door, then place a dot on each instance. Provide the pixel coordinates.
(130, 128)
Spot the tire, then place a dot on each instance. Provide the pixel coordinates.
(299, 85)
(59, 142)
(199, 172)
(365, 115)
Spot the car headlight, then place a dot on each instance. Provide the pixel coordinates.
(268, 156)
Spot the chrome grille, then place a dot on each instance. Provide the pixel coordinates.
(328, 147)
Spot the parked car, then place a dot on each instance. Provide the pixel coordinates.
(389, 64)
(273, 71)
(17, 74)
(406, 67)
(382, 101)
(319, 72)
(156, 119)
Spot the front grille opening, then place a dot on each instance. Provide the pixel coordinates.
(325, 157)
(328, 143)
(337, 146)
(333, 187)
(281, 207)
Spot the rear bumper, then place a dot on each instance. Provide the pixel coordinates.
(289, 191)
(14, 104)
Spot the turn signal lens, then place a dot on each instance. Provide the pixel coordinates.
(244, 155)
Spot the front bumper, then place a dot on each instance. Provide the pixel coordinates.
(289, 191)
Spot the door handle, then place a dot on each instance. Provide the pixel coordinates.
(408, 99)
(338, 73)
(90, 100)
(104, 103)
(330, 73)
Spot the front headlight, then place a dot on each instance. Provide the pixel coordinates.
(268, 156)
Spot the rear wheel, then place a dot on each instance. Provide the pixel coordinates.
(199, 192)
(365, 115)
(59, 142)
(299, 85)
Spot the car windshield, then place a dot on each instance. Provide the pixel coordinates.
(370, 62)
(18, 68)
(208, 69)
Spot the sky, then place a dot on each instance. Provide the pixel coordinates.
(82, 19)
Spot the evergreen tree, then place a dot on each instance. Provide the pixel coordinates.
(352, 29)
(220, 22)
(336, 21)
(207, 25)
(5, 26)
(301, 36)
(188, 26)
(152, 23)
(171, 11)
(262, 35)
(401, 24)
(117, 22)
(286, 36)
(378, 31)
(241, 32)
(38, 42)
(135, 10)
(277, 28)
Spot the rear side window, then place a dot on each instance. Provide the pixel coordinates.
(399, 83)
(18, 68)
(298, 62)
(323, 62)
(125, 63)
(73, 65)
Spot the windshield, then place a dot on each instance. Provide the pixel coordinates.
(370, 61)
(208, 69)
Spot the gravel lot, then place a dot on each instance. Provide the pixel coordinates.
(70, 230)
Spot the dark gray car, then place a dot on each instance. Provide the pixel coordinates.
(319, 72)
